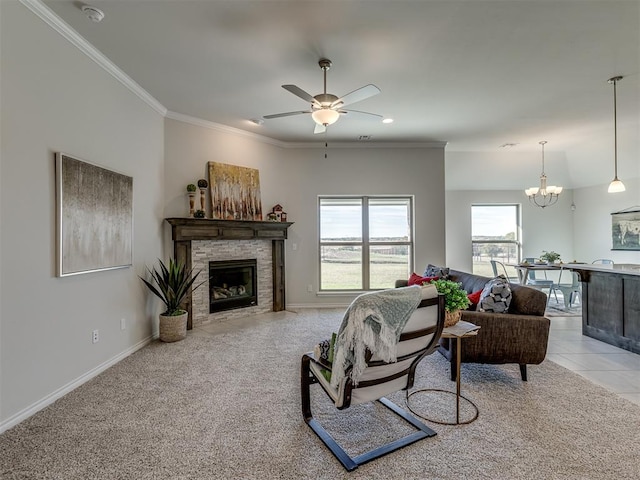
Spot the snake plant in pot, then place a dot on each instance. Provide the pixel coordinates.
(171, 285)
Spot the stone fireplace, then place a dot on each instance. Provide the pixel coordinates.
(197, 242)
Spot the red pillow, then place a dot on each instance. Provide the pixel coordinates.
(416, 279)
(474, 297)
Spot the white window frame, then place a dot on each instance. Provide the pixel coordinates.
(517, 241)
(365, 244)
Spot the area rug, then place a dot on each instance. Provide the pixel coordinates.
(227, 406)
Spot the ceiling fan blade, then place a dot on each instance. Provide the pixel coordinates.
(358, 95)
(286, 114)
(359, 112)
(319, 128)
(298, 92)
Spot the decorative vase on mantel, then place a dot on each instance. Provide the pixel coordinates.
(192, 203)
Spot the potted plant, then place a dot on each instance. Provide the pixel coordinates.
(550, 257)
(455, 299)
(171, 284)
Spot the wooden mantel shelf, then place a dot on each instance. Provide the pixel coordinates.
(210, 229)
(185, 230)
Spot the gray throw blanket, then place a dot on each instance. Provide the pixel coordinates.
(373, 321)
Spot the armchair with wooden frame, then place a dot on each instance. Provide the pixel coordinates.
(418, 339)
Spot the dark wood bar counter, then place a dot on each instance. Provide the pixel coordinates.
(611, 303)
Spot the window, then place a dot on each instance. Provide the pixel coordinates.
(495, 235)
(366, 243)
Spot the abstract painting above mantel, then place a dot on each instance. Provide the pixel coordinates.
(94, 213)
(625, 230)
(235, 192)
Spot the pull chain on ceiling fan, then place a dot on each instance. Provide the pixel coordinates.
(326, 108)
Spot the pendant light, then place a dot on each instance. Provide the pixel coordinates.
(544, 195)
(616, 184)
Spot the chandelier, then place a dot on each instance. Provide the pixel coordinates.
(544, 195)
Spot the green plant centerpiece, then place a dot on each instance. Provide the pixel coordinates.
(550, 257)
(455, 299)
(191, 188)
(171, 284)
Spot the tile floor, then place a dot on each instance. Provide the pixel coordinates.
(613, 368)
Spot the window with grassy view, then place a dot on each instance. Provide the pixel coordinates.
(366, 243)
(495, 235)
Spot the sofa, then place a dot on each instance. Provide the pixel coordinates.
(518, 336)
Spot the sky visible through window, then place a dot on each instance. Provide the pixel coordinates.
(385, 221)
(493, 220)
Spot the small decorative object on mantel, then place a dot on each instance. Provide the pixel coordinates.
(280, 215)
(199, 214)
(271, 217)
(191, 192)
(202, 185)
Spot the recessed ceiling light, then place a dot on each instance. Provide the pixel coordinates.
(387, 120)
(92, 13)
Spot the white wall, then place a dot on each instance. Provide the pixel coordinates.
(54, 98)
(549, 228)
(594, 206)
(294, 177)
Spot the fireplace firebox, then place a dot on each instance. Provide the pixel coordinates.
(232, 284)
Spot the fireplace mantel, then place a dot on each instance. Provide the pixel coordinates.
(185, 230)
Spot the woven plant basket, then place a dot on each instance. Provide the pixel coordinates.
(451, 318)
(173, 328)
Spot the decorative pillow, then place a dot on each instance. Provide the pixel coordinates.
(324, 350)
(416, 279)
(495, 296)
(435, 271)
(474, 298)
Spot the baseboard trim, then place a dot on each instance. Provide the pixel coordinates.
(293, 306)
(61, 392)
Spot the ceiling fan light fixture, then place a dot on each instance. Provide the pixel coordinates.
(325, 116)
(387, 120)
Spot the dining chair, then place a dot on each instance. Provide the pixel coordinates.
(539, 283)
(569, 290)
(603, 261)
(500, 268)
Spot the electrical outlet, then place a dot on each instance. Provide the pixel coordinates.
(294, 246)
(123, 323)
(309, 288)
(96, 336)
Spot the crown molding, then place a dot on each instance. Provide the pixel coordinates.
(223, 128)
(55, 22)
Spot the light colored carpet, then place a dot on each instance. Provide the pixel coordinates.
(227, 406)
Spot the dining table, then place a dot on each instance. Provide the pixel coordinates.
(523, 269)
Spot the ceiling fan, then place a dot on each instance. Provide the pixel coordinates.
(326, 108)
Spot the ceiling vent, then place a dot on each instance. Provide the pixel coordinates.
(364, 137)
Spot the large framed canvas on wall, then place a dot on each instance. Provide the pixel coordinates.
(625, 229)
(94, 217)
(235, 192)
